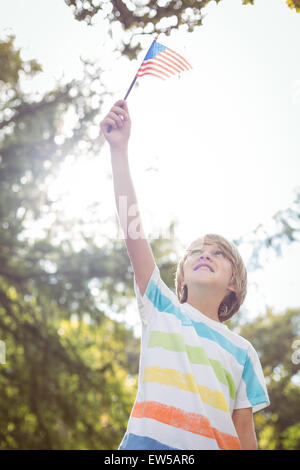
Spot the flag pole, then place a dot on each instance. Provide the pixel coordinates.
(135, 78)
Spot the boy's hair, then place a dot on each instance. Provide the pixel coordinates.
(232, 302)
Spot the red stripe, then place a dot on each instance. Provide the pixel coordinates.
(166, 62)
(143, 69)
(175, 63)
(175, 58)
(152, 62)
(170, 63)
(176, 53)
(191, 422)
(149, 73)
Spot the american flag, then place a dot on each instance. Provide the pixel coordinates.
(162, 62)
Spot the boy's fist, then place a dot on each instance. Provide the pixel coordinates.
(116, 125)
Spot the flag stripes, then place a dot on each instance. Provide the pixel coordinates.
(162, 62)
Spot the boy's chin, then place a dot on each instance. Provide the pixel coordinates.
(204, 282)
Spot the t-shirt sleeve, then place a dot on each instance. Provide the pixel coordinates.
(252, 390)
(156, 298)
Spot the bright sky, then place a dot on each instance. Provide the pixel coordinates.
(217, 149)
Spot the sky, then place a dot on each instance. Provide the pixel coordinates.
(222, 140)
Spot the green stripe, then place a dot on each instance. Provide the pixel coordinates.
(196, 355)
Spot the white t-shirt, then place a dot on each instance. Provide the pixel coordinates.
(193, 373)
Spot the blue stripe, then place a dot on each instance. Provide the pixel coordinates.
(255, 393)
(164, 304)
(135, 442)
(154, 50)
(254, 388)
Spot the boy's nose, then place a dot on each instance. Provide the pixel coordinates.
(206, 255)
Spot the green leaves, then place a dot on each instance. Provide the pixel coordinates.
(147, 17)
(69, 379)
(11, 63)
(272, 335)
(294, 4)
(70, 376)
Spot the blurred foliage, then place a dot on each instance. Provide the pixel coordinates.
(12, 65)
(148, 16)
(283, 229)
(274, 336)
(294, 5)
(70, 376)
(65, 383)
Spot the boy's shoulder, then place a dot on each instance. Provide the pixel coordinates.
(239, 340)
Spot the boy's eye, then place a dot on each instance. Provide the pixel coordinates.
(219, 251)
(197, 252)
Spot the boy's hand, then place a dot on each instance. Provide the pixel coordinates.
(118, 118)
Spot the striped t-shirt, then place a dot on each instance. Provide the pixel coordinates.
(193, 373)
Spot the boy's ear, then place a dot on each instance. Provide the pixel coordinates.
(231, 286)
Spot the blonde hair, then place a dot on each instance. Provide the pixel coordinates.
(232, 302)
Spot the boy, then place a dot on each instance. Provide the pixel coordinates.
(199, 383)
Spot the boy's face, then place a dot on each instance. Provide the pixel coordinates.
(219, 270)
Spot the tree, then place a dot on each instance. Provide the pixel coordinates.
(70, 375)
(12, 64)
(65, 383)
(148, 17)
(275, 338)
(294, 5)
(285, 231)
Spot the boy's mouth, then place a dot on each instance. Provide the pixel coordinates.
(199, 265)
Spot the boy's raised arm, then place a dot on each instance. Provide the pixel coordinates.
(138, 247)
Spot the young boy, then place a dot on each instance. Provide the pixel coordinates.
(199, 383)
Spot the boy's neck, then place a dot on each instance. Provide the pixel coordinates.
(207, 304)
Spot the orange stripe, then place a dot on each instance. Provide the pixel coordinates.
(191, 422)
